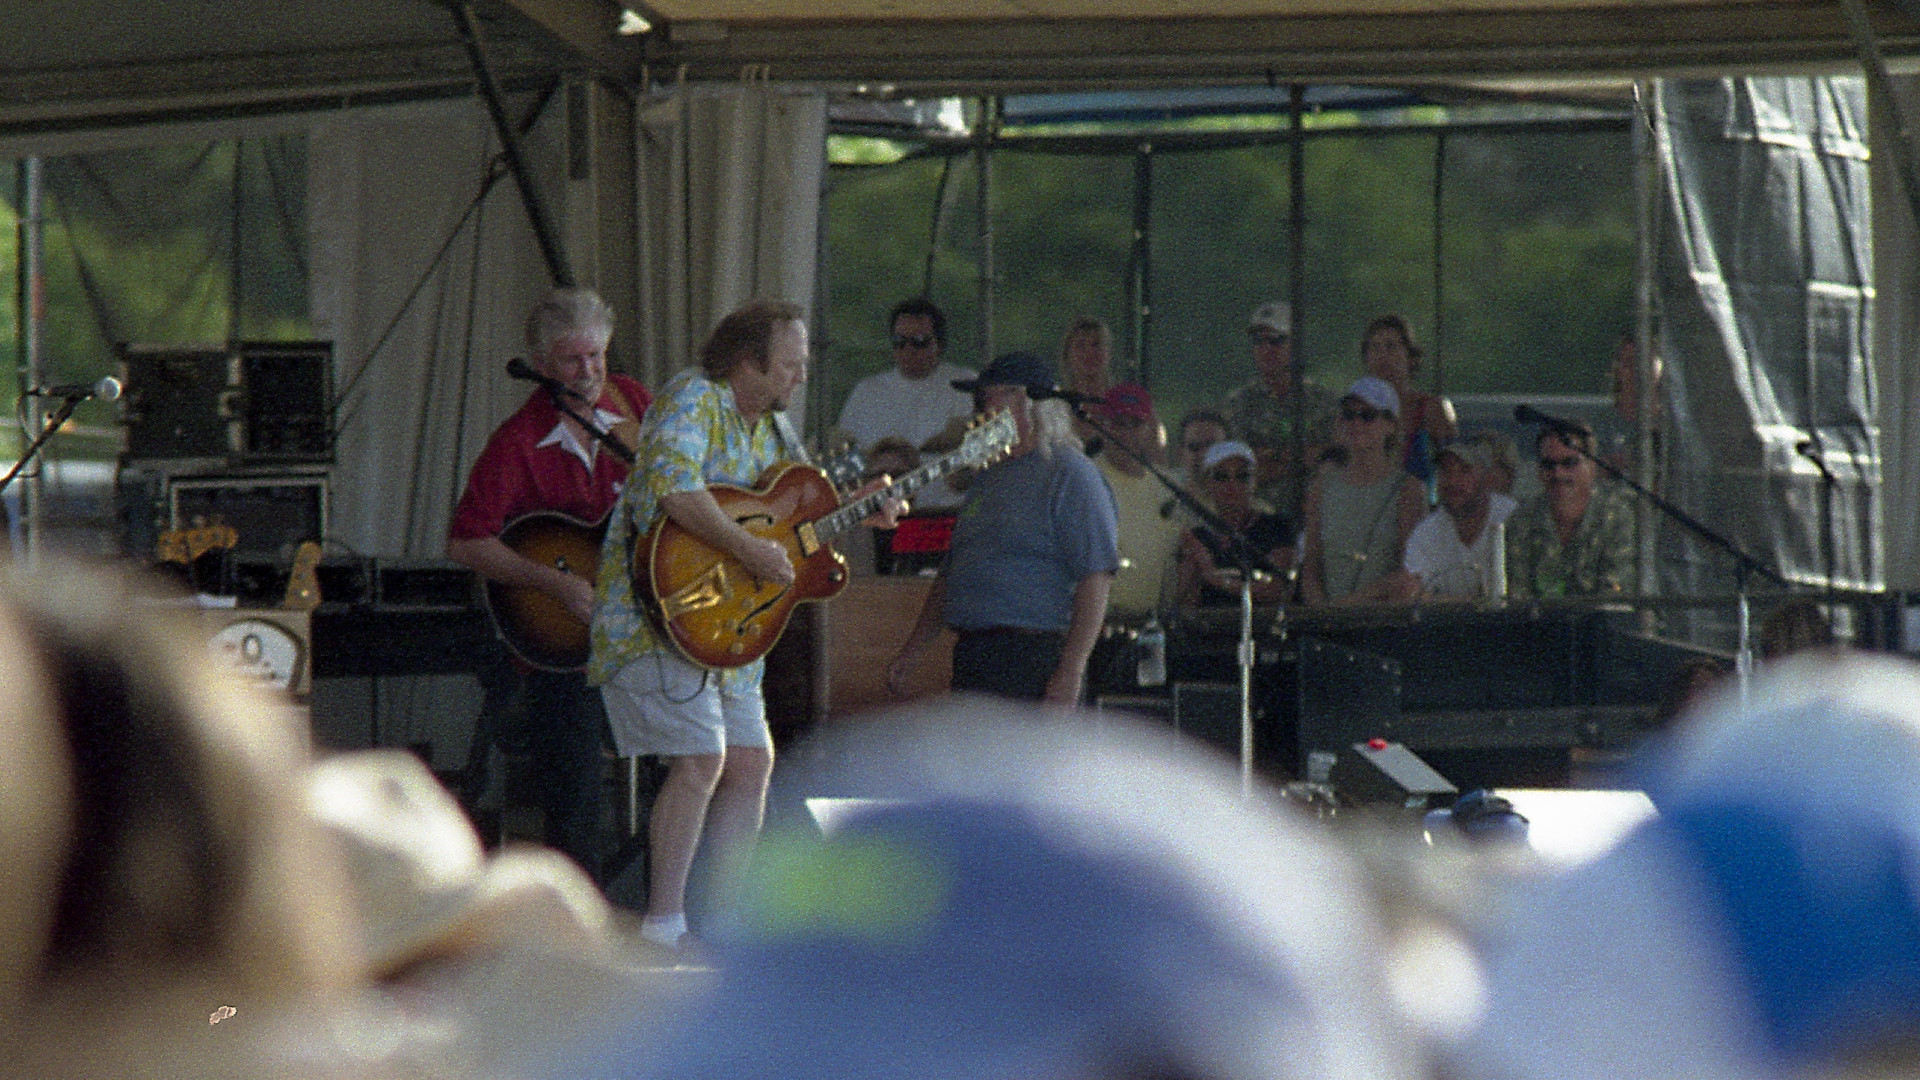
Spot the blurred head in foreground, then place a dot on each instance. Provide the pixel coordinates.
(158, 864)
(1016, 898)
(1767, 924)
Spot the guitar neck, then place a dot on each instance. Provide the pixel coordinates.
(853, 513)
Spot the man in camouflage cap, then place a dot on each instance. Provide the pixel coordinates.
(1263, 412)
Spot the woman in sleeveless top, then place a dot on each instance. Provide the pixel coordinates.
(1358, 512)
(1388, 352)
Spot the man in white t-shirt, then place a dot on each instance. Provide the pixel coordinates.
(1451, 551)
(914, 402)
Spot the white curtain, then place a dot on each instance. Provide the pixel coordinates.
(422, 328)
(729, 209)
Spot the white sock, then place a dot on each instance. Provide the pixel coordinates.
(664, 929)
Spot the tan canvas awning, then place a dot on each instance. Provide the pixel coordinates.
(86, 62)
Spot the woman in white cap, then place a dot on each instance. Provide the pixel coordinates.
(1208, 574)
(1359, 511)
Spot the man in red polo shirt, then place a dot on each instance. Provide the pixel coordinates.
(542, 459)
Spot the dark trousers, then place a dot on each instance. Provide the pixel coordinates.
(1010, 663)
(565, 719)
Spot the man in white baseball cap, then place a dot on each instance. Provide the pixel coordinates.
(1263, 412)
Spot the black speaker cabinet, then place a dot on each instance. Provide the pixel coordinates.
(179, 402)
(256, 403)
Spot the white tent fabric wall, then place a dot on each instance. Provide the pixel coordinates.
(388, 186)
(1896, 344)
(1767, 287)
(729, 209)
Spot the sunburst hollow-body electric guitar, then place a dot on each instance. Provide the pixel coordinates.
(715, 611)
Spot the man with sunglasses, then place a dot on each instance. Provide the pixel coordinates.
(915, 400)
(1264, 412)
(1577, 537)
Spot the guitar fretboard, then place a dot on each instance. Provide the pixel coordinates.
(859, 510)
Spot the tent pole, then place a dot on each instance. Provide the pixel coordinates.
(1141, 280)
(543, 230)
(983, 156)
(1646, 191)
(1297, 276)
(33, 314)
(1437, 349)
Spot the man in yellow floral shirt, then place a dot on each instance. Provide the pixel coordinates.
(713, 424)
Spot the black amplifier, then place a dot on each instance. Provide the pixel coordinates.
(254, 403)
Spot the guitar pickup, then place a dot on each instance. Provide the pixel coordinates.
(809, 539)
(708, 590)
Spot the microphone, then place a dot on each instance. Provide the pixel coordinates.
(520, 369)
(1060, 393)
(1527, 414)
(107, 389)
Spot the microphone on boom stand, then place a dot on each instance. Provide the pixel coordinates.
(520, 369)
(1527, 414)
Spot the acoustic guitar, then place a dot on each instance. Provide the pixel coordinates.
(539, 629)
(716, 612)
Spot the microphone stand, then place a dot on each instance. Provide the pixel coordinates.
(1813, 451)
(559, 392)
(1249, 562)
(1745, 565)
(59, 417)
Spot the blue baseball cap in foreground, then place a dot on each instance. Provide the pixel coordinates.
(1026, 899)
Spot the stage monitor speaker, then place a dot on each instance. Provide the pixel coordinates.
(1378, 771)
(1343, 695)
(179, 402)
(1209, 712)
(256, 403)
(286, 409)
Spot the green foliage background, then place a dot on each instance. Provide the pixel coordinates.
(140, 248)
(1536, 276)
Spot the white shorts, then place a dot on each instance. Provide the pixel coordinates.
(663, 703)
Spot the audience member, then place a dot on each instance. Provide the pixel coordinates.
(1619, 438)
(1687, 688)
(1263, 412)
(1199, 429)
(1086, 359)
(1359, 511)
(1209, 573)
(981, 919)
(1388, 353)
(1506, 462)
(479, 965)
(915, 401)
(1577, 537)
(1148, 538)
(160, 867)
(1797, 625)
(1450, 553)
(1766, 925)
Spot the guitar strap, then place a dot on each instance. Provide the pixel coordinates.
(790, 439)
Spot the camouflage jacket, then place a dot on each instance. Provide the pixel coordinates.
(1597, 561)
(1264, 421)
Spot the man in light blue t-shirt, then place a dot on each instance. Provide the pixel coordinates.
(1033, 554)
